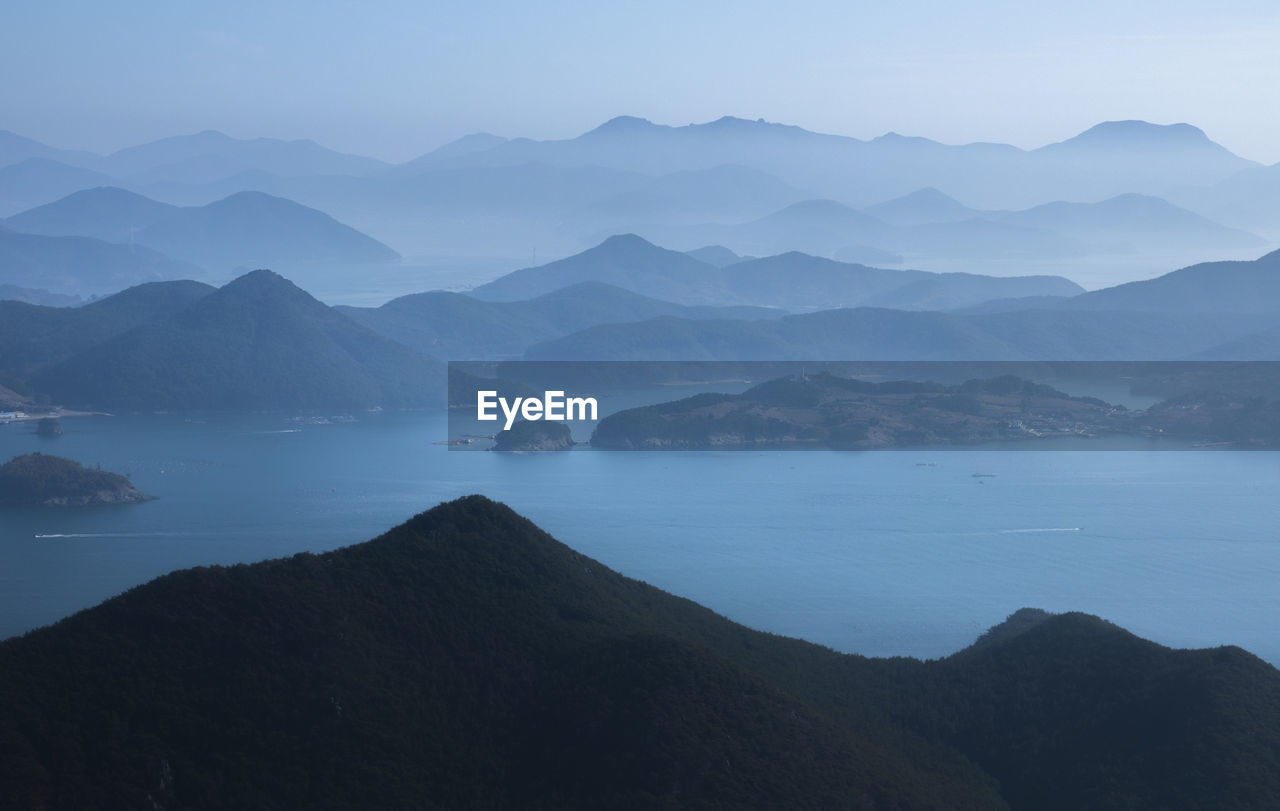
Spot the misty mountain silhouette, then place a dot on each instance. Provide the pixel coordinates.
(15, 148)
(211, 155)
(625, 261)
(792, 280)
(927, 205)
(717, 256)
(36, 181)
(1224, 287)
(883, 334)
(247, 228)
(489, 196)
(1137, 221)
(459, 327)
(258, 343)
(1109, 159)
(1125, 135)
(83, 265)
(251, 228)
(724, 193)
(105, 212)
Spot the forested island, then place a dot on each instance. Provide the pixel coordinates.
(827, 411)
(41, 479)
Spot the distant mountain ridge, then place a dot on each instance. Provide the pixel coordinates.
(789, 281)
(82, 265)
(868, 333)
(32, 336)
(245, 229)
(36, 181)
(929, 225)
(1225, 287)
(489, 197)
(257, 343)
(458, 327)
(892, 165)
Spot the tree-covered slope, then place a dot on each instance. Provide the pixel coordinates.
(462, 660)
(467, 659)
(33, 336)
(256, 343)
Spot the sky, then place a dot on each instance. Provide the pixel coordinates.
(396, 79)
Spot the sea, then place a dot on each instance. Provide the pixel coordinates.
(881, 553)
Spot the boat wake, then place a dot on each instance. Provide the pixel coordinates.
(52, 535)
(1036, 529)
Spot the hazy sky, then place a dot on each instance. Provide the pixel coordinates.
(394, 79)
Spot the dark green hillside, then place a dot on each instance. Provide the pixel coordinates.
(257, 343)
(828, 411)
(1069, 711)
(467, 660)
(32, 336)
(462, 660)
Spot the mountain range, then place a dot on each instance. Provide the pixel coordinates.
(468, 659)
(82, 265)
(460, 327)
(32, 336)
(262, 343)
(1109, 159)
(928, 225)
(1084, 203)
(257, 343)
(246, 229)
(882, 334)
(789, 281)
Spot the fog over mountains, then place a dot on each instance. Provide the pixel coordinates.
(1123, 200)
(260, 342)
(772, 242)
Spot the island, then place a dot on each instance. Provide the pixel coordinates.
(529, 435)
(830, 412)
(41, 479)
(826, 411)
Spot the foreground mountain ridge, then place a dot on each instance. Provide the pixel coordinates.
(467, 659)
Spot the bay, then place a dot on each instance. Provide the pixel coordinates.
(879, 553)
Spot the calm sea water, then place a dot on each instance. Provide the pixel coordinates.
(878, 553)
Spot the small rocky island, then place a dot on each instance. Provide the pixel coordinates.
(41, 479)
(528, 435)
